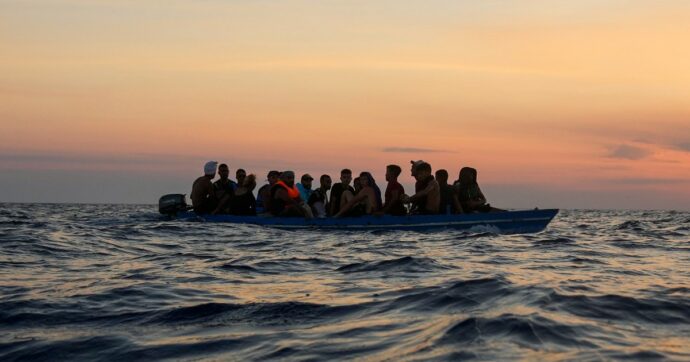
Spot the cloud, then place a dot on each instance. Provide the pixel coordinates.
(411, 150)
(645, 181)
(684, 146)
(629, 152)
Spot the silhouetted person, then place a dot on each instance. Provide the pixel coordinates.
(203, 196)
(449, 199)
(427, 197)
(318, 201)
(394, 193)
(339, 188)
(263, 198)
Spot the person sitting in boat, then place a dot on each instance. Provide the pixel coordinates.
(469, 194)
(394, 192)
(304, 187)
(224, 188)
(449, 199)
(338, 189)
(240, 174)
(427, 197)
(357, 185)
(318, 201)
(285, 198)
(366, 202)
(263, 197)
(244, 203)
(203, 197)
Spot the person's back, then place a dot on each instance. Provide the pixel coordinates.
(394, 192)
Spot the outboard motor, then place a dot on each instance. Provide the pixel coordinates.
(171, 204)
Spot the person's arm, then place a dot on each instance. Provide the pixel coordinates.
(456, 205)
(358, 198)
(427, 190)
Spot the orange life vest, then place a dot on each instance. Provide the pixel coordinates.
(293, 192)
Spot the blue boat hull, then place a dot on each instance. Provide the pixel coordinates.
(524, 221)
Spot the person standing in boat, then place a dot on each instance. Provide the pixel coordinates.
(203, 196)
(338, 189)
(427, 197)
(285, 198)
(366, 202)
(263, 198)
(318, 201)
(449, 199)
(244, 203)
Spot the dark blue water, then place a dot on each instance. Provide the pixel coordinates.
(113, 282)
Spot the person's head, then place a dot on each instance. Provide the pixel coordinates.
(325, 182)
(223, 171)
(249, 182)
(240, 174)
(210, 169)
(306, 181)
(422, 171)
(413, 168)
(288, 177)
(442, 177)
(366, 179)
(357, 184)
(346, 176)
(273, 177)
(392, 172)
(467, 175)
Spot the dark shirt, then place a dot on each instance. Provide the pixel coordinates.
(397, 208)
(336, 193)
(223, 188)
(244, 204)
(447, 206)
(263, 197)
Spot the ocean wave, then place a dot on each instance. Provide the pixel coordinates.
(406, 264)
(668, 310)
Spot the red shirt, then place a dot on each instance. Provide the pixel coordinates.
(398, 208)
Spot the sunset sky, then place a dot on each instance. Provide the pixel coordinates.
(570, 104)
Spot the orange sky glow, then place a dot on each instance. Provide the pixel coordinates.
(588, 97)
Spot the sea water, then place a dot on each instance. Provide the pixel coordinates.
(118, 282)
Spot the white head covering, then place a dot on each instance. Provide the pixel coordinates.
(210, 168)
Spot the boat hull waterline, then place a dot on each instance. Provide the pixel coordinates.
(520, 221)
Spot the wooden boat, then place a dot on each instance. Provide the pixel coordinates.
(506, 222)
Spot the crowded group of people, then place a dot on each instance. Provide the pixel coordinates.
(281, 196)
